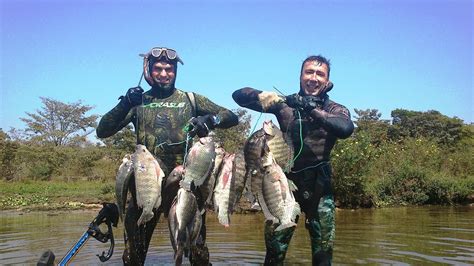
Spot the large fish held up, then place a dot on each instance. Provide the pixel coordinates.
(238, 179)
(184, 223)
(200, 161)
(148, 181)
(279, 204)
(122, 180)
(223, 190)
(207, 188)
(268, 137)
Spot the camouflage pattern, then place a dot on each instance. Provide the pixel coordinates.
(277, 243)
(159, 124)
(322, 231)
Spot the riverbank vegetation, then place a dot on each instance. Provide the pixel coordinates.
(415, 158)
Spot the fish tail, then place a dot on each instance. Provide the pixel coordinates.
(145, 217)
(296, 211)
(223, 219)
(178, 256)
(181, 236)
(284, 226)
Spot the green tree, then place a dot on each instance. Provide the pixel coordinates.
(60, 123)
(8, 150)
(124, 140)
(431, 124)
(369, 121)
(233, 138)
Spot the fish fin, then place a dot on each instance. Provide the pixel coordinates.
(284, 226)
(144, 218)
(296, 211)
(178, 256)
(291, 185)
(223, 219)
(158, 170)
(268, 215)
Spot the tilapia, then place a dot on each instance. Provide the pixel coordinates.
(281, 149)
(207, 188)
(200, 161)
(253, 152)
(268, 137)
(223, 190)
(279, 201)
(238, 180)
(122, 180)
(148, 181)
(170, 188)
(184, 223)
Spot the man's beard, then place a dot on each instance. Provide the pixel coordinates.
(165, 86)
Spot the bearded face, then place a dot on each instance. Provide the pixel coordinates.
(314, 78)
(163, 74)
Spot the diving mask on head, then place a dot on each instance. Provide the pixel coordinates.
(156, 54)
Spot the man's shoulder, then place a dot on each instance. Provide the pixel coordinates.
(332, 104)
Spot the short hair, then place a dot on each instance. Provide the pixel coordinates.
(319, 58)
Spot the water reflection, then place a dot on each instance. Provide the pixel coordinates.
(402, 236)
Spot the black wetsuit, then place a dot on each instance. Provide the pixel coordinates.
(318, 131)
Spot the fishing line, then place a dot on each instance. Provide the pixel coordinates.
(255, 125)
(301, 136)
(186, 149)
(308, 167)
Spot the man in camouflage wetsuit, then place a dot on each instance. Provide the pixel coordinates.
(308, 115)
(159, 116)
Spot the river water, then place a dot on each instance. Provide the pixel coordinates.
(393, 236)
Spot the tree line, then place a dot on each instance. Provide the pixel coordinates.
(414, 158)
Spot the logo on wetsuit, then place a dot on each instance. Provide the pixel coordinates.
(165, 104)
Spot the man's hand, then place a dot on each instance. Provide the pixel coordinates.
(201, 125)
(268, 98)
(133, 97)
(305, 103)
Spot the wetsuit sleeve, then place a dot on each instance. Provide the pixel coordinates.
(114, 120)
(204, 106)
(335, 118)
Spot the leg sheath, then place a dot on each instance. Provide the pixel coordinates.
(276, 243)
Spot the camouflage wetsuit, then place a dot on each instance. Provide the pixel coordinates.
(311, 172)
(159, 124)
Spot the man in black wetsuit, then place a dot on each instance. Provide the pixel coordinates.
(312, 117)
(159, 116)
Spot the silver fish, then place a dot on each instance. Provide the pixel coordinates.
(279, 200)
(207, 188)
(281, 149)
(269, 137)
(223, 190)
(170, 188)
(148, 181)
(200, 161)
(122, 180)
(253, 152)
(238, 180)
(184, 223)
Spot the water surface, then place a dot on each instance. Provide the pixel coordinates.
(400, 236)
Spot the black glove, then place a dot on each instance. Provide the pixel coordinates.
(201, 125)
(304, 103)
(133, 97)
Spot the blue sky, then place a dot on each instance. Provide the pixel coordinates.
(415, 55)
